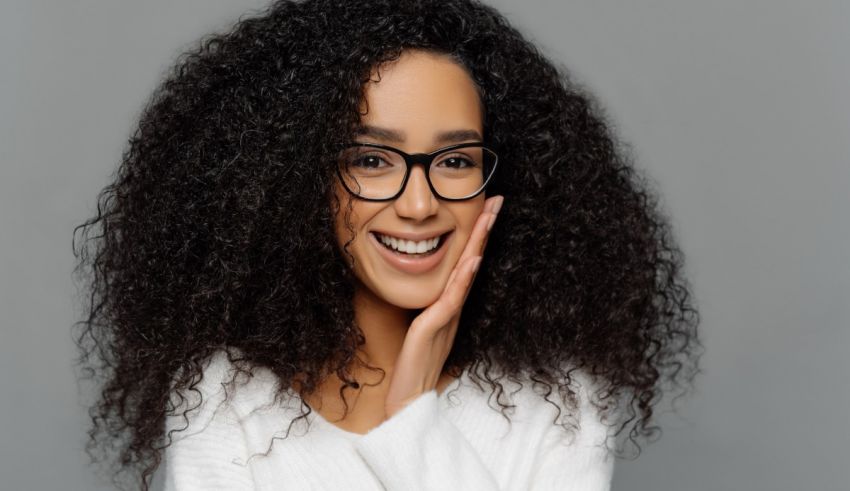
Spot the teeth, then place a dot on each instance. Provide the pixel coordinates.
(408, 246)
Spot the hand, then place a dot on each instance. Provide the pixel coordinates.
(431, 334)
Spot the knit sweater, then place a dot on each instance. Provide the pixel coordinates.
(237, 439)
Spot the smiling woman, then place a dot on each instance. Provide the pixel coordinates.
(304, 230)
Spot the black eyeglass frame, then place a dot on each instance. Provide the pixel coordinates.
(426, 159)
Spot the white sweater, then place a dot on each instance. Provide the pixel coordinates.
(450, 441)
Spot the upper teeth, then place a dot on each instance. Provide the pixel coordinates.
(409, 246)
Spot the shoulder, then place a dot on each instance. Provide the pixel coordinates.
(206, 444)
(576, 400)
(570, 407)
(223, 389)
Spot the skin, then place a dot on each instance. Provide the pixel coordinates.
(419, 95)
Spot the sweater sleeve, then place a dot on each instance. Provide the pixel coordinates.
(580, 466)
(208, 450)
(583, 462)
(419, 449)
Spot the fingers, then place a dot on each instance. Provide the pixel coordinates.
(454, 295)
(463, 280)
(473, 270)
(497, 205)
(477, 241)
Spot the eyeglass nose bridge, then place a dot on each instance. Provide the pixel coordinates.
(418, 158)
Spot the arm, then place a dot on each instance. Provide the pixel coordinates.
(418, 449)
(209, 451)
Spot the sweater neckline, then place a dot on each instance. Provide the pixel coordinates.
(318, 418)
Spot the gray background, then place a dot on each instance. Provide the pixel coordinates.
(738, 109)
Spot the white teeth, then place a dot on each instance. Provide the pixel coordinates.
(408, 246)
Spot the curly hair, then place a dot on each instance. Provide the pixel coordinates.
(217, 227)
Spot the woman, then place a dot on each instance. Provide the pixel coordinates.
(300, 280)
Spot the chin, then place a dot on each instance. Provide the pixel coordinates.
(411, 297)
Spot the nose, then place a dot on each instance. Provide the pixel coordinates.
(416, 201)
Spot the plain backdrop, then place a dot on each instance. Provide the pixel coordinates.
(738, 110)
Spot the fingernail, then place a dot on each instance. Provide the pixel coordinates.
(491, 222)
(498, 205)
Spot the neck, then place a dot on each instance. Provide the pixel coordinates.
(384, 326)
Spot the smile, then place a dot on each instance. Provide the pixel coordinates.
(408, 246)
(405, 255)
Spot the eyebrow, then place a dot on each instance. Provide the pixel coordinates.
(386, 134)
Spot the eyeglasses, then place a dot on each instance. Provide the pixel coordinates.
(376, 172)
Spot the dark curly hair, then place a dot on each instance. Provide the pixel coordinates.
(217, 228)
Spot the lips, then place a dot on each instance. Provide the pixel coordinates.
(412, 264)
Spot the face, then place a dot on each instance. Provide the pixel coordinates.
(419, 97)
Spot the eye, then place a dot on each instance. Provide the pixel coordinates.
(367, 161)
(458, 161)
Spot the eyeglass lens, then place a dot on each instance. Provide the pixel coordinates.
(378, 173)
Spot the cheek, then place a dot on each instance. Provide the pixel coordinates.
(350, 232)
(467, 215)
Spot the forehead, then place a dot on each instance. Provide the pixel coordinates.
(420, 95)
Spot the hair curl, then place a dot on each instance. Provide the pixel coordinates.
(217, 229)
